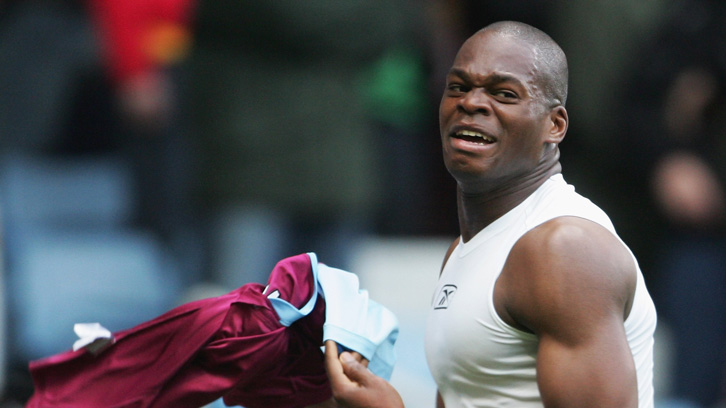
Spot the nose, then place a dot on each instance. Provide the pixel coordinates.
(476, 101)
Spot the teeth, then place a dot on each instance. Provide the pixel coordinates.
(475, 134)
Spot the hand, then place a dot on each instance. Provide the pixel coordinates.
(354, 386)
(146, 100)
(688, 190)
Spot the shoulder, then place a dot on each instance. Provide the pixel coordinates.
(565, 270)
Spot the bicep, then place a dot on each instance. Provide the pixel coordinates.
(569, 282)
(597, 371)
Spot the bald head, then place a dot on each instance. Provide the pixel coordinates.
(549, 57)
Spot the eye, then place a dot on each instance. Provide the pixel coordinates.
(456, 88)
(505, 94)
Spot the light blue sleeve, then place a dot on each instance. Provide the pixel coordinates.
(357, 322)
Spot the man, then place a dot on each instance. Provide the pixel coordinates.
(539, 302)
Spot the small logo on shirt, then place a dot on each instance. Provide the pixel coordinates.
(274, 295)
(444, 297)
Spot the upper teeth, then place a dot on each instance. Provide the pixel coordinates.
(475, 134)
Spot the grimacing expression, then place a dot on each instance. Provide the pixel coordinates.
(494, 119)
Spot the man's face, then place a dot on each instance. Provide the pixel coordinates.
(492, 117)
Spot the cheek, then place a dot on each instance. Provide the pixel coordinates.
(529, 130)
(526, 146)
(444, 113)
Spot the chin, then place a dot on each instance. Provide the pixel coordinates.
(466, 174)
(465, 167)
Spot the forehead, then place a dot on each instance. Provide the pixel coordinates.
(486, 54)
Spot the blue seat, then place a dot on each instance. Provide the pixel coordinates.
(72, 253)
(68, 193)
(119, 279)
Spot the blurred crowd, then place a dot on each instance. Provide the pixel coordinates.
(153, 151)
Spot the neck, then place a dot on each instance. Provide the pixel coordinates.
(487, 203)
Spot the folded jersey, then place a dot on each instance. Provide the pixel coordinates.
(257, 346)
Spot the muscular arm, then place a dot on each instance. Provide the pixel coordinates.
(571, 282)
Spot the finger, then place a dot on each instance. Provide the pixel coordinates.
(334, 366)
(359, 358)
(354, 370)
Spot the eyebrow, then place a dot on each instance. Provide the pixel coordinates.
(493, 78)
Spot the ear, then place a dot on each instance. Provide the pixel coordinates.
(558, 125)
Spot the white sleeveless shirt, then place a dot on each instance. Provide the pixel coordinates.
(478, 360)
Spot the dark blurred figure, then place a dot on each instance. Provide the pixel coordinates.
(48, 71)
(91, 168)
(142, 45)
(49, 64)
(289, 160)
(92, 77)
(674, 117)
